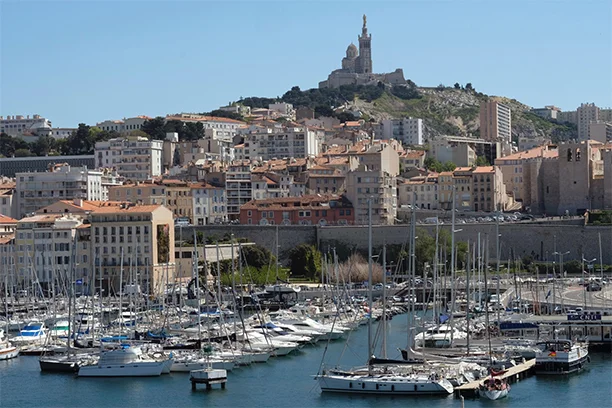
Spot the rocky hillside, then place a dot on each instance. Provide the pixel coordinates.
(445, 110)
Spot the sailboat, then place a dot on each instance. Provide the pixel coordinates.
(383, 379)
(7, 350)
(493, 387)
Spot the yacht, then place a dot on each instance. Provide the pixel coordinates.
(32, 333)
(7, 350)
(124, 362)
(439, 336)
(560, 357)
(386, 381)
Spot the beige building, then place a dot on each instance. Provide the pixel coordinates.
(363, 185)
(512, 169)
(413, 158)
(495, 121)
(139, 193)
(324, 179)
(488, 191)
(209, 204)
(585, 115)
(600, 131)
(178, 198)
(420, 192)
(383, 157)
(8, 199)
(143, 236)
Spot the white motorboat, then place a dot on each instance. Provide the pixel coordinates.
(32, 333)
(190, 362)
(560, 357)
(124, 362)
(60, 329)
(7, 350)
(438, 336)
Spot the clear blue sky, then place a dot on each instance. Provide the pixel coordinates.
(86, 61)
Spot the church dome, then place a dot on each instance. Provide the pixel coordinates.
(351, 51)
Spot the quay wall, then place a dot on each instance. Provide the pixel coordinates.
(539, 239)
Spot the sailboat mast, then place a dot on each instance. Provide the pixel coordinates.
(452, 310)
(370, 283)
(497, 250)
(384, 299)
(197, 285)
(467, 291)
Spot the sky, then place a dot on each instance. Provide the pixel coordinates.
(86, 61)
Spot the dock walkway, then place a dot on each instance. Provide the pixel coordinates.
(512, 375)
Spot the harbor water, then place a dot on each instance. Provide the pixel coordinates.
(286, 382)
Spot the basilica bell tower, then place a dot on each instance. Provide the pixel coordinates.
(365, 50)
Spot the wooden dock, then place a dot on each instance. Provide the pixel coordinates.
(513, 374)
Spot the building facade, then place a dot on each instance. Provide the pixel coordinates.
(495, 122)
(378, 188)
(305, 210)
(63, 182)
(409, 131)
(18, 125)
(133, 157)
(585, 115)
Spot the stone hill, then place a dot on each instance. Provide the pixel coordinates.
(445, 110)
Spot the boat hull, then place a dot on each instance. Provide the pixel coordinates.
(187, 367)
(8, 353)
(561, 367)
(367, 385)
(58, 366)
(139, 369)
(494, 394)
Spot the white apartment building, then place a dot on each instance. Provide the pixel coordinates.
(585, 114)
(8, 200)
(226, 128)
(209, 204)
(36, 190)
(62, 133)
(43, 248)
(268, 143)
(133, 157)
(547, 112)
(7, 258)
(409, 131)
(238, 187)
(284, 109)
(418, 192)
(124, 126)
(17, 125)
(380, 187)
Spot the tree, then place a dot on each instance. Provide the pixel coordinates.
(138, 132)
(43, 146)
(305, 261)
(482, 161)
(225, 114)
(457, 86)
(257, 256)
(155, 128)
(23, 153)
(405, 92)
(7, 145)
(345, 117)
(449, 166)
(468, 87)
(323, 110)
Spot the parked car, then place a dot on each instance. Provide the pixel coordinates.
(593, 287)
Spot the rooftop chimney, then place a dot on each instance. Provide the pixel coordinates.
(78, 202)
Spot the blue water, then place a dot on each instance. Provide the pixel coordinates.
(284, 382)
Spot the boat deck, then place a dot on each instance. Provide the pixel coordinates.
(512, 375)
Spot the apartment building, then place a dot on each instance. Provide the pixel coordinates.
(209, 204)
(178, 198)
(124, 126)
(418, 192)
(43, 248)
(488, 191)
(18, 125)
(141, 236)
(412, 158)
(324, 179)
(292, 140)
(133, 157)
(148, 193)
(463, 151)
(364, 185)
(383, 156)
(8, 200)
(495, 121)
(306, 210)
(549, 112)
(7, 225)
(409, 131)
(238, 188)
(7, 258)
(586, 114)
(225, 128)
(62, 182)
(9, 166)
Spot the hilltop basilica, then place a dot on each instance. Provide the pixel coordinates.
(357, 66)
